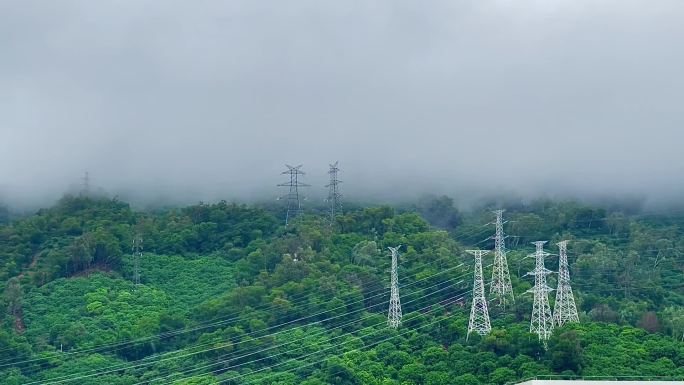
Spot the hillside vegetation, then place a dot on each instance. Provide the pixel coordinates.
(229, 295)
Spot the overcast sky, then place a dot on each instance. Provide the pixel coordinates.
(208, 99)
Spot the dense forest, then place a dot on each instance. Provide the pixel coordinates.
(230, 295)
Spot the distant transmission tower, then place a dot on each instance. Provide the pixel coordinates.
(564, 310)
(479, 314)
(501, 288)
(294, 205)
(541, 322)
(85, 185)
(334, 195)
(137, 254)
(394, 314)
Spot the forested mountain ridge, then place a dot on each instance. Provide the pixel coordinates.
(229, 295)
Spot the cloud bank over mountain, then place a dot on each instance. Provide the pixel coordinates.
(188, 101)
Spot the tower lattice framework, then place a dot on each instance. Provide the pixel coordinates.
(85, 185)
(541, 322)
(394, 313)
(564, 309)
(479, 314)
(501, 289)
(294, 204)
(334, 195)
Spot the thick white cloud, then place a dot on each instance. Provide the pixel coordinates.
(207, 99)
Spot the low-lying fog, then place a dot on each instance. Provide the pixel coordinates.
(166, 101)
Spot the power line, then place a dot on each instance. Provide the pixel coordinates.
(186, 330)
(166, 334)
(82, 375)
(213, 344)
(307, 325)
(211, 323)
(223, 361)
(300, 166)
(462, 295)
(344, 306)
(326, 349)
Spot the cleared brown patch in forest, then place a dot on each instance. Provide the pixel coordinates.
(96, 268)
(19, 325)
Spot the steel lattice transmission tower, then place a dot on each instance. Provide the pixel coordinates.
(541, 322)
(394, 313)
(137, 254)
(479, 314)
(85, 185)
(501, 288)
(564, 310)
(334, 195)
(294, 204)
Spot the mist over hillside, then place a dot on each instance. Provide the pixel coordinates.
(507, 206)
(183, 102)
